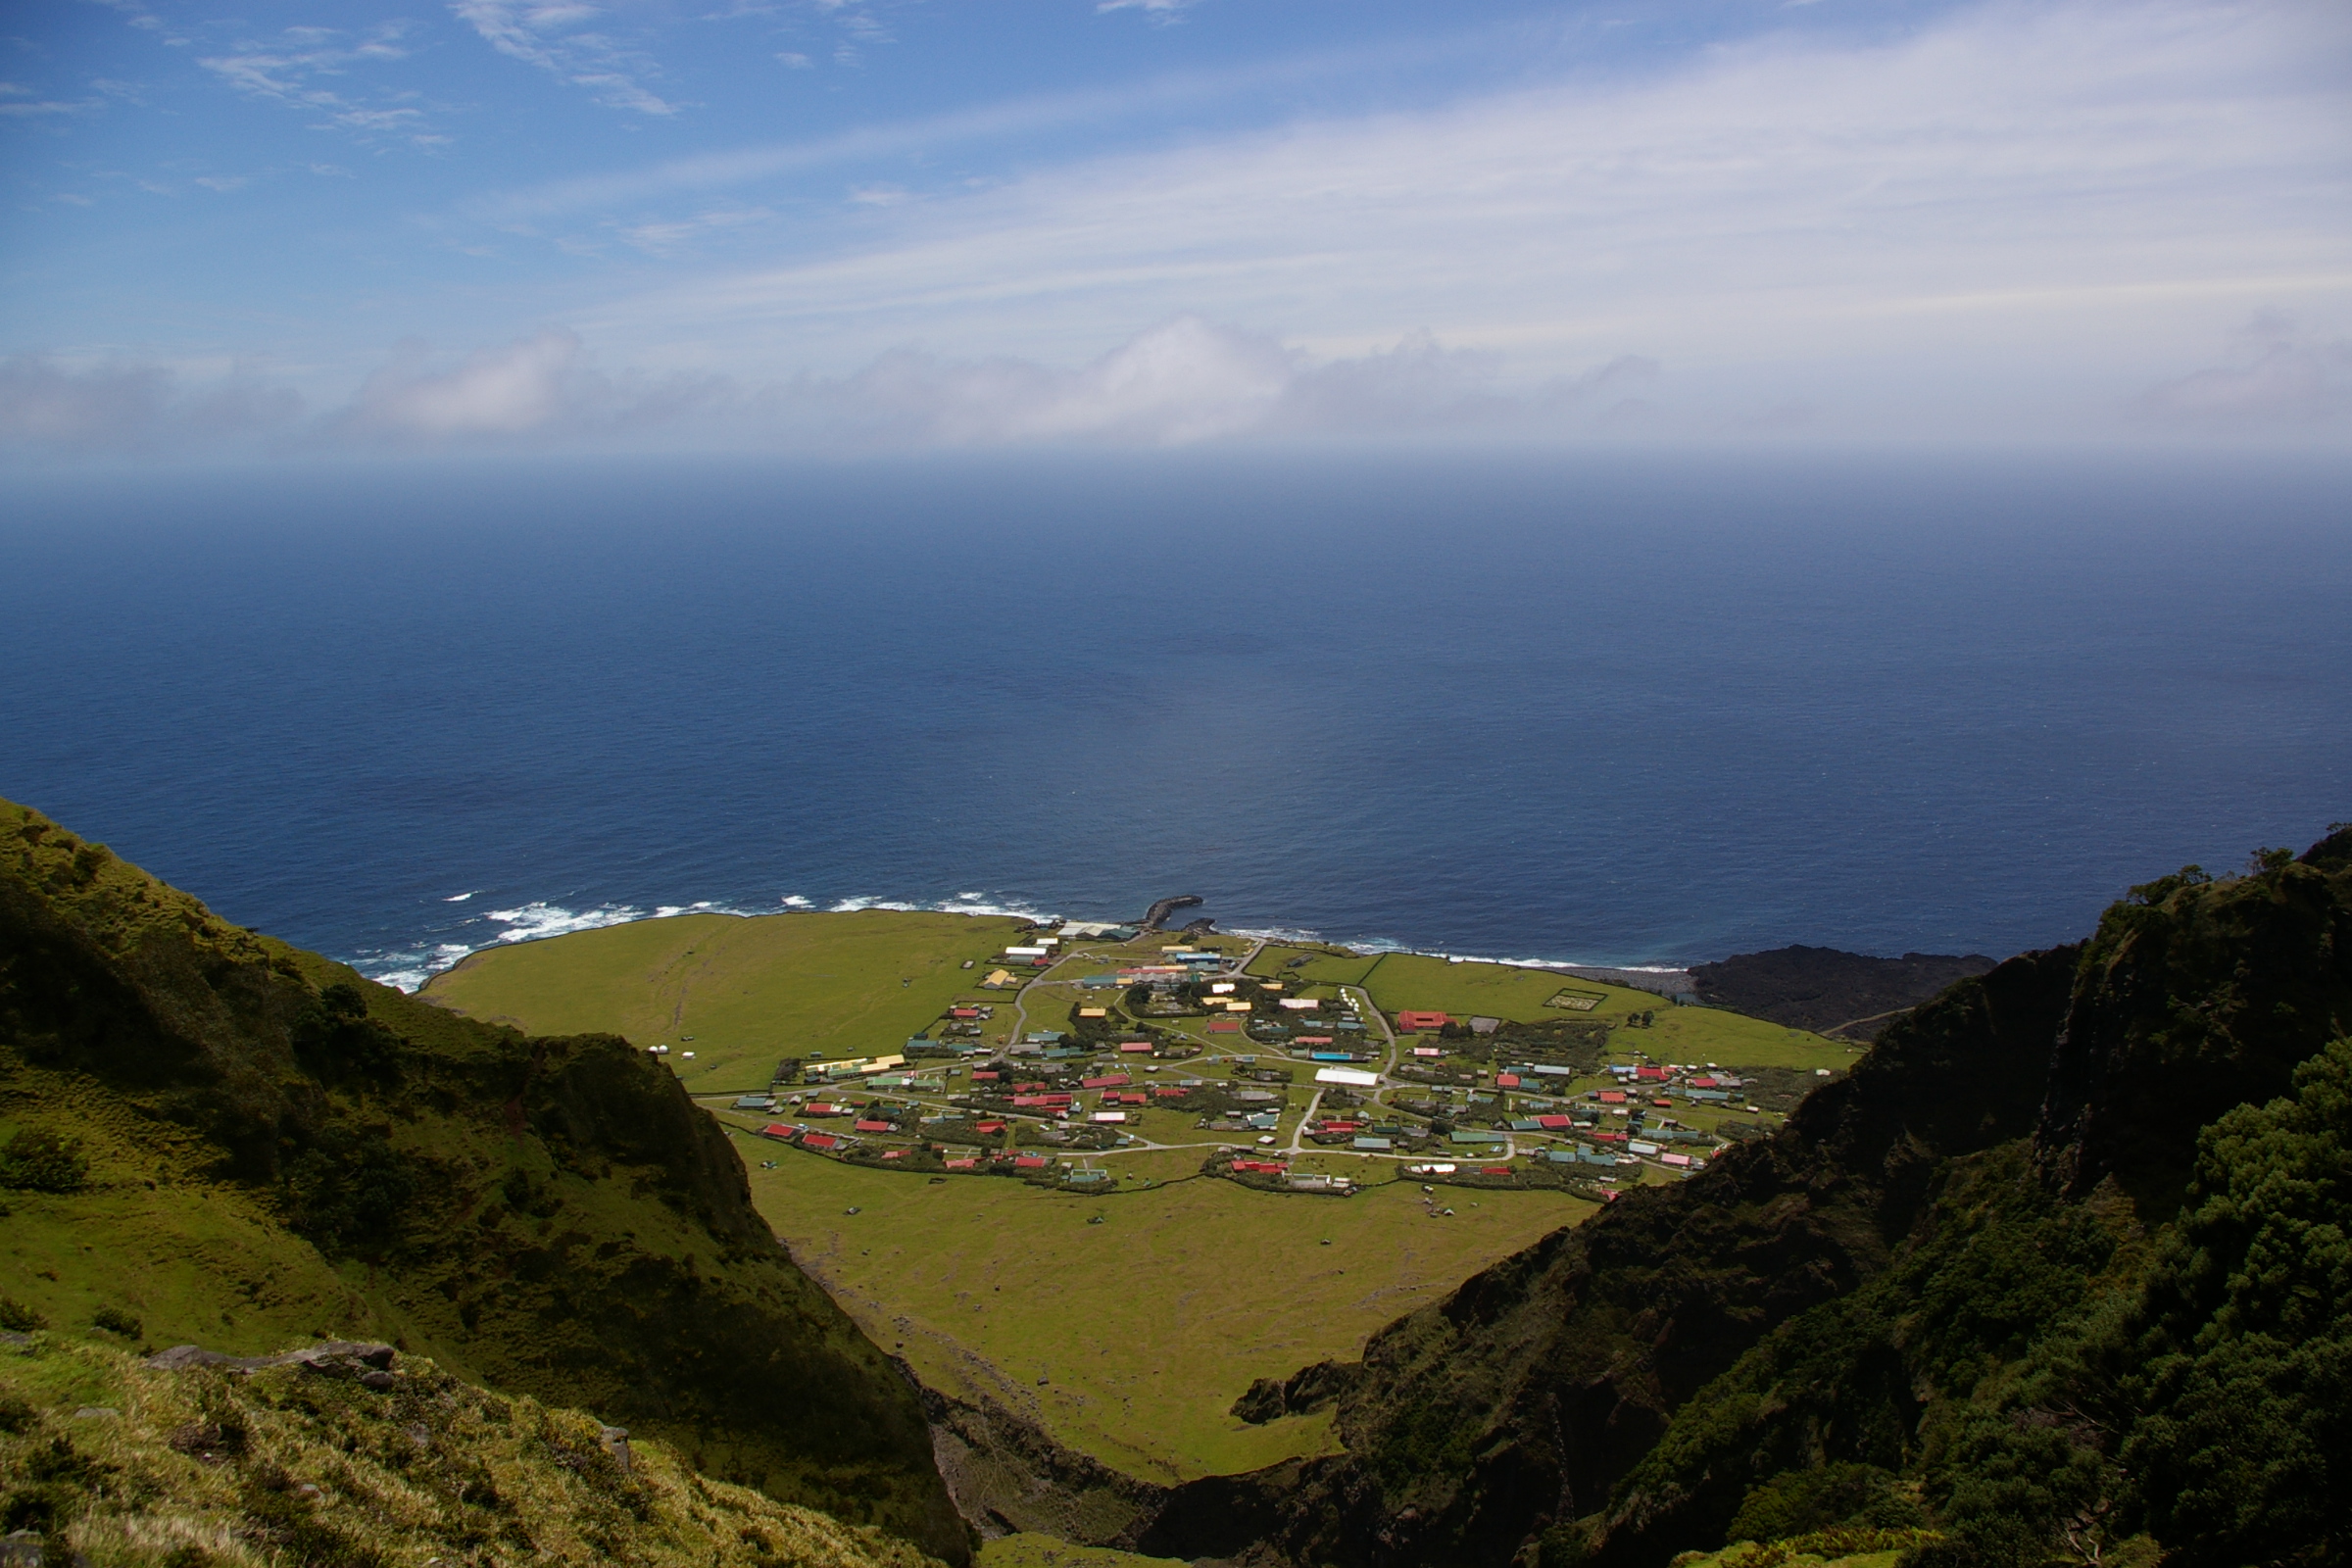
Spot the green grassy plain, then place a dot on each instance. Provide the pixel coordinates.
(749, 991)
(1148, 1325)
(1030, 1551)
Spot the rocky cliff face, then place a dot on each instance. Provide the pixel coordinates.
(272, 1146)
(1610, 1393)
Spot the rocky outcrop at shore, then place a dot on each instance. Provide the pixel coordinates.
(1847, 994)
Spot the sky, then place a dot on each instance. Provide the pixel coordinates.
(838, 225)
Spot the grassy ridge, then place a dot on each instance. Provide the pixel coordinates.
(1148, 1325)
(116, 1462)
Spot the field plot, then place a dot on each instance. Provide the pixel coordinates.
(1145, 1327)
(1503, 991)
(748, 991)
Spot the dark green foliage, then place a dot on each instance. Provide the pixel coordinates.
(14, 1415)
(41, 1162)
(49, 1486)
(2240, 1356)
(1802, 1502)
(18, 1318)
(114, 1320)
(339, 1043)
(348, 1190)
(2148, 893)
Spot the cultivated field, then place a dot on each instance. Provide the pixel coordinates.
(1500, 990)
(1148, 1325)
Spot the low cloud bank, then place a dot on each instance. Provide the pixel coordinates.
(1184, 381)
(2276, 375)
(125, 407)
(1188, 381)
(535, 389)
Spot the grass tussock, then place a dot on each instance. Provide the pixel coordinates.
(120, 1463)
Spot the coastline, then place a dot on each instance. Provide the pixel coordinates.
(410, 968)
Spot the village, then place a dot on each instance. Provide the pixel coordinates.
(981, 1131)
(1078, 1045)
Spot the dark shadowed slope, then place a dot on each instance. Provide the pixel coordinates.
(1948, 1276)
(1823, 989)
(237, 1144)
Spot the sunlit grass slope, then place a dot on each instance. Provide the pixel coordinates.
(749, 991)
(1148, 1325)
(122, 1464)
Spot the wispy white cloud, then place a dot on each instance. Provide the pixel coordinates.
(547, 33)
(681, 234)
(2018, 212)
(23, 103)
(1162, 12)
(745, 166)
(293, 70)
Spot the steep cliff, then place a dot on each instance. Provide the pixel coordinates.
(1920, 1276)
(208, 1136)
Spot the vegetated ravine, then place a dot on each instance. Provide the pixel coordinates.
(2057, 1274)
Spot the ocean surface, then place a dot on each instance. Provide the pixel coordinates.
(1643, 711)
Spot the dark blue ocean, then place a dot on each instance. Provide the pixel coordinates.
(1637, 709)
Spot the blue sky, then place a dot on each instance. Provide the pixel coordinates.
(829, 224)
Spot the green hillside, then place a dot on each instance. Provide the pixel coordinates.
(209, 1137)
(744, 992)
